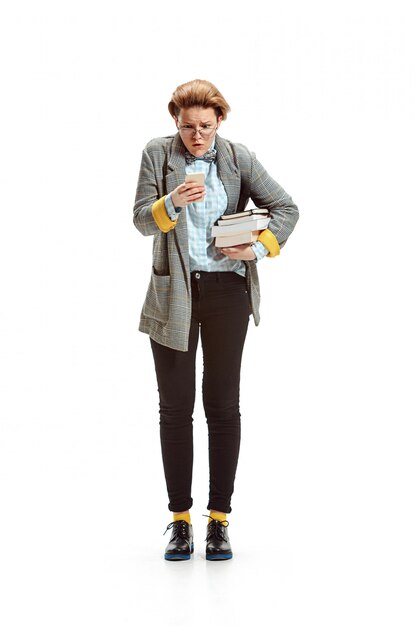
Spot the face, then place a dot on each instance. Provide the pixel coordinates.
(197, 128)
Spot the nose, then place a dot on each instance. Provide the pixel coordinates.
(197, 130)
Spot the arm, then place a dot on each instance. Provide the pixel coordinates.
(149, 212)
(267, 193)
(153, 213)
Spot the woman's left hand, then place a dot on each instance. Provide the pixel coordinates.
(240, 253)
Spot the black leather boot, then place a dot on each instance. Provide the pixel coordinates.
(218, 545)
(181, 544)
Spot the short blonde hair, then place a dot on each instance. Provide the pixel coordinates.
(198, 93)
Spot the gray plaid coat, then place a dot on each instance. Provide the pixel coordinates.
(166, 313)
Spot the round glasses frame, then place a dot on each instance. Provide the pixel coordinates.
(204, 132)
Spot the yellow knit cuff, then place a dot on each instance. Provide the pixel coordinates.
(161, 217)
(268, 239)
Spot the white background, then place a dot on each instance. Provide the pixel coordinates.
(324, 512)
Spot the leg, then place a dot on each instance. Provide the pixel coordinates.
(175, 372)
(223, 333)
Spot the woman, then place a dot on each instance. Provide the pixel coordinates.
(196, 288)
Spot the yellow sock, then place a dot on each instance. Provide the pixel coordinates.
(219, 516)
(185, 516)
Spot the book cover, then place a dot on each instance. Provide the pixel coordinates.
(236, 240)
(240, 226)
(244, 214)
(242, 219)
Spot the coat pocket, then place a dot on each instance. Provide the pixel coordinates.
(157, 301)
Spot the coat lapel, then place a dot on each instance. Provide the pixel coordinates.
(176, 164)
(228, 173)
(175, 177)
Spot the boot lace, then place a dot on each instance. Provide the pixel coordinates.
(180, 529)
(216, 528)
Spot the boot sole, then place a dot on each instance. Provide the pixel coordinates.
(218, 557)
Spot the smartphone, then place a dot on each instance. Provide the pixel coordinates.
(198, 177)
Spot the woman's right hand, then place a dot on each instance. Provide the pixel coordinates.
(186, 193)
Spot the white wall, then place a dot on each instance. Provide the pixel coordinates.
(325, 94)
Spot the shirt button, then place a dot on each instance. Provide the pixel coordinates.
(197, 274)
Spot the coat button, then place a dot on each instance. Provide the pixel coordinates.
(197, 274)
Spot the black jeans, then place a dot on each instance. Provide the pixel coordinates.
(220, 310)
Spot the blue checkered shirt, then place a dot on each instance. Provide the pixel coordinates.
(201, 216)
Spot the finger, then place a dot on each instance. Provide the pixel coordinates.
(194, 185)
(197, 190)
(195, 196)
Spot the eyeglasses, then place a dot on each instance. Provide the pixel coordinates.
(205, 131)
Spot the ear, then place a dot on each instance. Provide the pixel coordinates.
(219, 121)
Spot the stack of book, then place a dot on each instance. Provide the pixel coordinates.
(240, 228)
